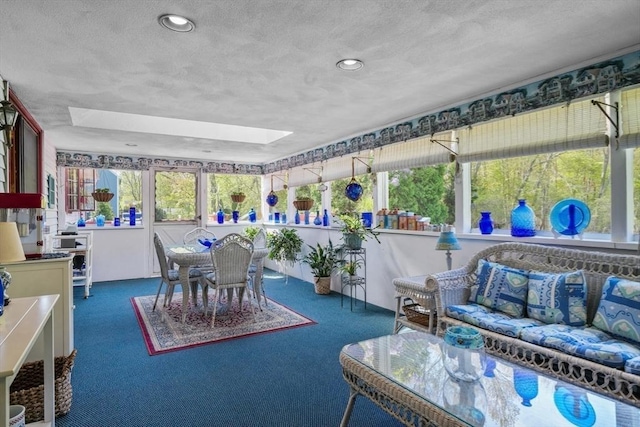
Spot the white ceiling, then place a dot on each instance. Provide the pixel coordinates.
(271, 64)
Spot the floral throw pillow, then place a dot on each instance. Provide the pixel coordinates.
(619, 310)
(500, 288)
(557, 298)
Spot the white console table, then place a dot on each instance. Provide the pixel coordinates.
(23, 321)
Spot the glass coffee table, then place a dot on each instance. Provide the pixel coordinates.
(404, 375)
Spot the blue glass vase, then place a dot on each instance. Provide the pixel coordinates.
(220, 217)
(526, 385)
(296, 218)
(353, 190)
(132, 215)
(306, 217)
(81, 222)
(272, 199)
(523, 222)
(317, 221)
(235, 215)
(486, 223)
(252, 215)
(325, 219)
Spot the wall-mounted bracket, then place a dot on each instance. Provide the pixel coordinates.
(611, 119)
(440, 143)
(319, 175)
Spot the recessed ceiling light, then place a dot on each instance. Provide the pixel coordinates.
(350, 64)
(206, 151)
(176, 23)
(131, 145)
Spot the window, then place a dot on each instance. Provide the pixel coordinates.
(222, 186)
(79, 184)
(636, 190)
(339, 202)
(543, 180)
(425, 191)
(175, 196)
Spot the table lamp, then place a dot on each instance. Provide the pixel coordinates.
(10, 251)
(448, 242)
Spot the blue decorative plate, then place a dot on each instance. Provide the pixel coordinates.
(570, 217)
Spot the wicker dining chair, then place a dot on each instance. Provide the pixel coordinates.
(194, 237)
(231, 257)
(171, 277)
(256, 268)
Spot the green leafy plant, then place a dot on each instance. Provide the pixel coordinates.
(323, 259)
(103, 190)
(250, 231)
(350, 267)
(284, 245)
(352, 224)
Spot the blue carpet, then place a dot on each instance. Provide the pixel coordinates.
(289, 378)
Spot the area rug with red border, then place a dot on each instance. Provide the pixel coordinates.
(164, 332)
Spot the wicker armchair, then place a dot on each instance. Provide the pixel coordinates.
(453, 288)
(231, 257)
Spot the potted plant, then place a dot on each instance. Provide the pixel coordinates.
(323, 260)
(354, 232)
(284, 246)
(303, 203)
(350, 268)
(102, 195)
(237, 197)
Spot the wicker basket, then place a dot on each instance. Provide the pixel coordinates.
(27, 388)
(102, 197)
(303, 205)
(417, 314)
(322, 285)
(237, 198)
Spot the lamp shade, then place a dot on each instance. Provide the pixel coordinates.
(10, 244)
(448, 242)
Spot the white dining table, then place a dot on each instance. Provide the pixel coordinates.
(187, 256)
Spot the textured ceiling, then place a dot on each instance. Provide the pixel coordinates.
(271, 64)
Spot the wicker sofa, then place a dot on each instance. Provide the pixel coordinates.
(564, 343)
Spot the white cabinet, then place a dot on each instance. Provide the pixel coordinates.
(34, 278)
(81, 247)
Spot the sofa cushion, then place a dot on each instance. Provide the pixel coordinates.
(619, 310)
(633, 366)
(557, 298)
(500, 288)
(482, 317)
(587, 343)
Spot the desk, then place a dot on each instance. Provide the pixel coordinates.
(404, 375)
(23, 321)
(189, 255)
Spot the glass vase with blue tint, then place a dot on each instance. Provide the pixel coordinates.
(296, 218)
(220, 216)
(486, 223)
(100, 220)
(272, 199)
(81, 222)
(276, 217)
(235, 215)
(325, 219)
(132, 215)
(526, 384)
(353, 191)
(306, 217)
(463, 353)
(252, 215)
(523, 222)
(318, 220)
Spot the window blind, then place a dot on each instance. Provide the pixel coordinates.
(630, 116)
(413, 153)
(578, 125)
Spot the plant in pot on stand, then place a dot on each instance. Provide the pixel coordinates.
(354, 232)
(323, 260)
(284, 248)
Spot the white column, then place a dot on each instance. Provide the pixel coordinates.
(621, 179)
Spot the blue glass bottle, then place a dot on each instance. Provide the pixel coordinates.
(220, 217)
(486, 223)
(81, 222)
(132, 215)
(296, 218)
(283, 218)
(523, 222)
(1, 297)
(252, 215)
(306, 217)
(235, 216)
(325, 219)
(317, 221)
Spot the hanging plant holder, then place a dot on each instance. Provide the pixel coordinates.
(102, 197)
(303, 204)
(353, 191)
(237, 198)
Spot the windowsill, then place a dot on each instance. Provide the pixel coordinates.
(110, 227)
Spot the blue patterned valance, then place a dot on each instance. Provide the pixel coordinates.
(602, 77)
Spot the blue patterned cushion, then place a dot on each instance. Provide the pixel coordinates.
(500, 288)
(483, 317)
(633, 366)
(557, 298)
(619, 310)
(588, 343)
(193, 272)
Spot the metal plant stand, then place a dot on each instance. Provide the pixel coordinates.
(358, 280)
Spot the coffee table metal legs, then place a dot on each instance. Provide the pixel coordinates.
(347, 412)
